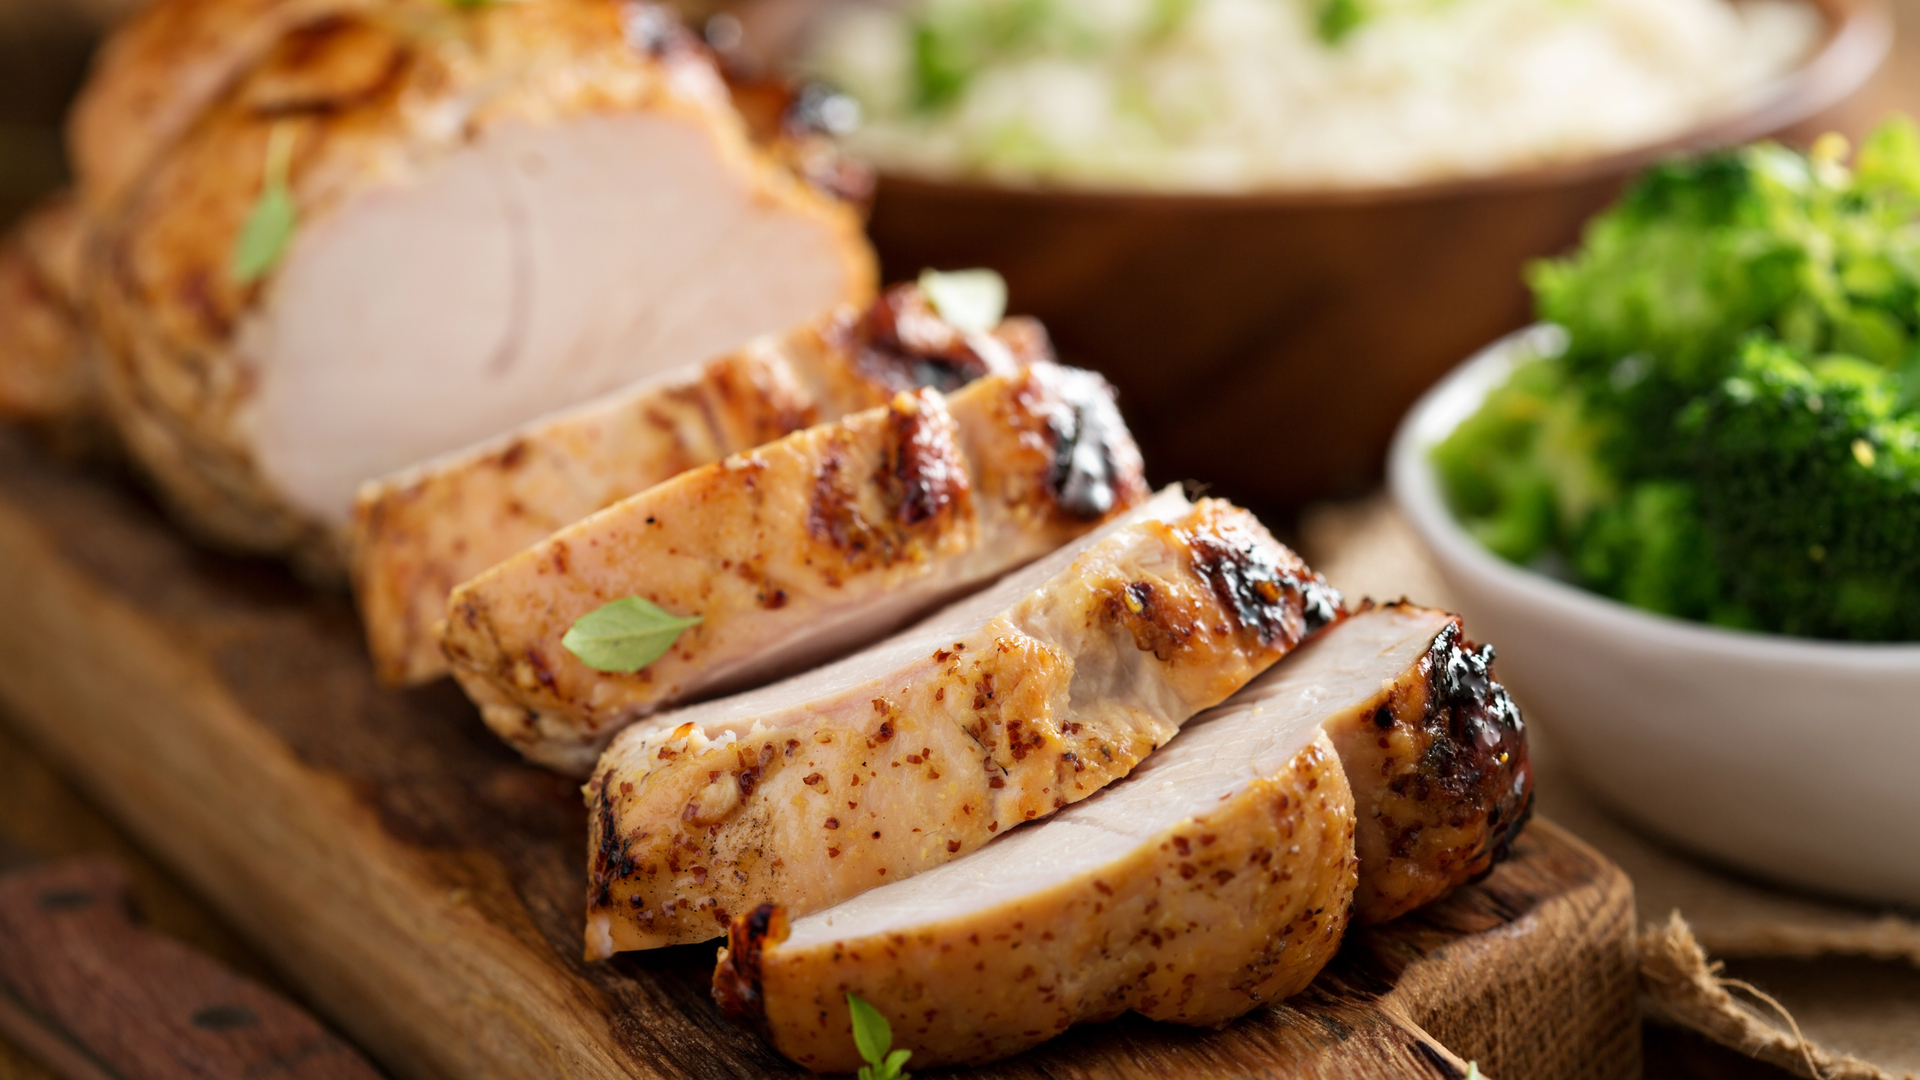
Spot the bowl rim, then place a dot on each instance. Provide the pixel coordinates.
(1416, 489)
(1858, 38)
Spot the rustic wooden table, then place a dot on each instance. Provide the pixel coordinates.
(42, 817)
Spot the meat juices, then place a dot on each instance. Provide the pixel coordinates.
(419, 533)
(1217, 877)
(794, 553)
(1003, 708)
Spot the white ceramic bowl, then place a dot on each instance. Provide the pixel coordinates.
(1792, 759)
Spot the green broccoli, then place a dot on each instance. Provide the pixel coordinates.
(1525, 465)
(1730, 434)
(1809, 482)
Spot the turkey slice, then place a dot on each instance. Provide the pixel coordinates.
(1215, 878)
(1000, 709)
(421, 532)
(802, 550)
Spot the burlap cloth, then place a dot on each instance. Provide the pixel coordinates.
(1820, 988)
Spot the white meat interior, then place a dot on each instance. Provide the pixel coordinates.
(527, 272)
(1216, 755)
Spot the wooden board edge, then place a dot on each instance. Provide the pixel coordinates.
(150, 728)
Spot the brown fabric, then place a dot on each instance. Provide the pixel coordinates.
(1686, 989)
(1691, 908)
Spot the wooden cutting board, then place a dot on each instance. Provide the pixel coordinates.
(424, 888)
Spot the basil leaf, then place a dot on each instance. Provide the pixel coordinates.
(871, 1032)
(972, 300)
(893, 1063)
(270, 225)
(625, 635)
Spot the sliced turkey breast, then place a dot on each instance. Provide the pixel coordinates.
(421, 532)
(1007, 706)
(1216, 877)
(793, 553)
(44, 376)
(490, 212)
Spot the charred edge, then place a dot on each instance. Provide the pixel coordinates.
(1479, 751)
(1085, 481)
(1277, 603)
(902, 344)
(737, 981)
(925, 477)
(610, 859)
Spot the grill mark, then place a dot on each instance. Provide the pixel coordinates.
(925, 471)
(1270, 592)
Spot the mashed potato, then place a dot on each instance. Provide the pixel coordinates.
(1235, 94)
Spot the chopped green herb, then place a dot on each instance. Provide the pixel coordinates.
(1337, 19)
(270, 225)
(973, 300)
(873, 1036)
(626, 635)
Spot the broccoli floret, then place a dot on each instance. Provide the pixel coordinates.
(1522, 471)
(1809, 482)
(1651, 549)
(1700, 252)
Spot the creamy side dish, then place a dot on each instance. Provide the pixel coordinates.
(1234, 94)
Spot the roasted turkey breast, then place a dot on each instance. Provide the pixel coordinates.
(423, 531)
(1214, 879)
(793, 553)
(1218, 876)
(1000, 709)
(491, 211)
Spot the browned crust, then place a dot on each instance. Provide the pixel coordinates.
(737, 982)
(1442, 776)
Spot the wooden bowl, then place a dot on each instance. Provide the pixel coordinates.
(1267, 343)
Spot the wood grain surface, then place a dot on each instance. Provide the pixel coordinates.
(422, 887)
(97, 996)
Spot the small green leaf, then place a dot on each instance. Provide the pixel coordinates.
(894, 1061)
(871, 1034)
(270, 225)
(626, 635)
(973, 300)
(1338, 18)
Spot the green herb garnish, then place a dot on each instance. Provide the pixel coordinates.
(270, 225)
(972, 300)
(1337, 19)
(625, 635)
(873, 1036)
